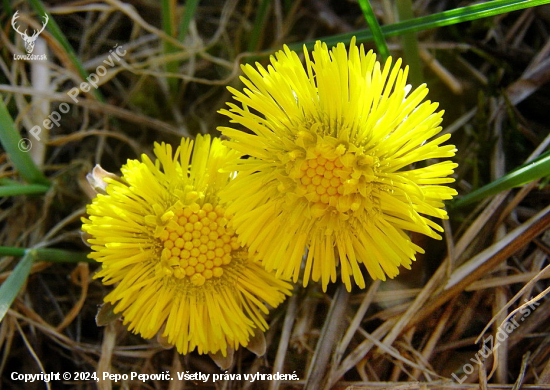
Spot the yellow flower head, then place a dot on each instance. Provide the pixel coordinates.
(169, 247)
(336, 164)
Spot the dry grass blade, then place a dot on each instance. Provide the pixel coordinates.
(531, 282)
(104, 364)
(412, 310)
(487, 260)
(280, 358)
(331, 332)
(505, 247)
(521, 376)
(435, 336)
(101, 107)
(81, 276)
(355, 356)
(544, 378)
(365, 304)
(31, 350)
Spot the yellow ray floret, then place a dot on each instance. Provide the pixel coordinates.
(170, 249)
(335, 170)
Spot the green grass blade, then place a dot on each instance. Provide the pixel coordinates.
(54, 29)
(7, 7)
(167, 12)
(446, 18)
(12, 141)
(460, 15)
(11, 251)
(258, 25)
(188, 15)
(410, 44)
(167, 25)
(30, 189)
(11, 286)
(374, 26)
(4, 181)
(526, 173)
(51, 255)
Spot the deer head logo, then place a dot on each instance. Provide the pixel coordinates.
(29, 41)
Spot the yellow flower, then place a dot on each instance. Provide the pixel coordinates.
(168, 246)
(336, 165)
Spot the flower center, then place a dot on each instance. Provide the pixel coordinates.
(332, 176)
(197, 243)
(322, 179)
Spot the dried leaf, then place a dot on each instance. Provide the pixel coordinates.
(223, 362)
(106, 314)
